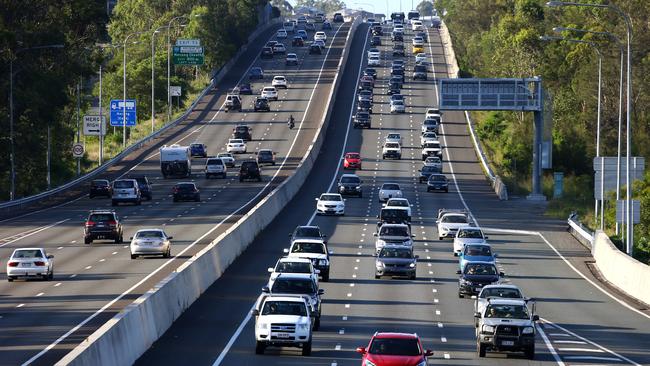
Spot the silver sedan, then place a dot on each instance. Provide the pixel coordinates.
(151, 242)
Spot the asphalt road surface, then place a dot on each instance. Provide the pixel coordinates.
(40, 321)
(581, 323)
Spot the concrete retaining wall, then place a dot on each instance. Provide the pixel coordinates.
(452, 63)
(124, 338)
(621, 270)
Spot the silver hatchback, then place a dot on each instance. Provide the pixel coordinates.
(151, 242)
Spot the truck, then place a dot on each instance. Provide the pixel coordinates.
(283, 321)
(175, 161)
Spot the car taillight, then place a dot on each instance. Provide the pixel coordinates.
(175, 189)
(39, 263)
(90, 223)
(112, 223)
(12, 264)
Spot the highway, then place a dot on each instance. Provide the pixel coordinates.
(583, 323)
(40, 321)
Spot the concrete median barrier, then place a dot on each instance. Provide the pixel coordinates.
(124, 338)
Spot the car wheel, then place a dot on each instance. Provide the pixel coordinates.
(241, 179)
(480, 349)
(446, 190)
(133, 256)
(259, 348)
(87, 241)
(530, 353)
(306, 349)
(428, 190)
(113, 203)
(317, 324)
(326, 277)
(10, 279)
(259, 179)
(412, 277)
(377, 276)
(207, 176)
(118, 240)
(440, 238)
(174, 199)
(91, 196)
(50, 277)
(461, 296)
(197, 199)
(360, 195)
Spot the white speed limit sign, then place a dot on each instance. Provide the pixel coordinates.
(78, 150)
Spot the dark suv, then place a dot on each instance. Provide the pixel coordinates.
(265, 156)
(184, 191)
(250, 170)
(262, 104)
(102, 224)
(350, 184)
(242, 132)
(144, 185)
(100, 187)
(267, 52)
(361, 120)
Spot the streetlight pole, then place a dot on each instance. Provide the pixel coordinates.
(126, 40)
(629, 228)
(12, 154)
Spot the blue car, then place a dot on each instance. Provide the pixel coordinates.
(476, 253)
(199, 150)
(256, 73)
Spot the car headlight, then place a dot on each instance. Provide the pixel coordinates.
(412, 265)
(358, 188)
(464, 282)
(303, 326)
(528, 330)
(264, 326)
(380, 243)
(488, 329)
(323, 262)
(379, 264)
(369, 363)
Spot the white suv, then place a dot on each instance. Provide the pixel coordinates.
(126, 190)
(283, 321)
(270, 93)
(320, 36)
(215, 166)
(279, 82)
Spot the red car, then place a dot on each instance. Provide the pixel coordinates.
(352, 161)
(393, 349)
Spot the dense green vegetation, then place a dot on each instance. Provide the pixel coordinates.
(327, 6)
(500, 38)
(45, 81)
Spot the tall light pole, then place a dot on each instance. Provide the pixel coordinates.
(620, 112)
(12, 154)
(126, 41)
(600, 68)
(629, 232)
(153, 93)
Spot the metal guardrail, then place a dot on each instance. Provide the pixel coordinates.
(136, 145)
(580, 232)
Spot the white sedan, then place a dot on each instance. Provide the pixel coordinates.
(400, 203)
(282, 33)
(30, 262)
(374, 52)
(330, 203)
(394, 137)
(279, 48)
(397, 106)
(418, 41)
(374, 61)
(428, 137)
(320, 36)
(151, 242)
(270, 93)
(279, 82)
(388, 191)
(432, 113)
(228, 159)
(292, 265)
(421, 57)
(237, 146)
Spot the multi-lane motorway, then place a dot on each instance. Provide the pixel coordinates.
(40, 321)
(581, 322)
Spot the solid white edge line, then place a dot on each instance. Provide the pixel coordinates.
(233, 338)
(549, 345)
(69, 332)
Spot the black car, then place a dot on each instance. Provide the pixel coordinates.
(426, 172)
(297, 41)
(186, 191)
(364, 105)
(262, 104)
(397, 37)
(475, 276)
(369, 71)
(437, 182)
(267, 52)
(397, 70)
(366, 85)
(393, 216)
(394, 89)
(397, 79)
(199, 150)
(423, 35)
(398, 50)
(242, 132)
(265, 156)
(365, 94)
(375, 41)
(245, 88)
(350, 184)
(338, 18)
(103, 224)
(307, 232)
(378, 30)
(250, 170)
(315, 49)
(100, 187)
(327, 25)
(420, 72)
(362, 120)
(144, 185)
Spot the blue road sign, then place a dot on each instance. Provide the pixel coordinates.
(117, 112)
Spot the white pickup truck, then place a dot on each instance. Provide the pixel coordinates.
(283, 321)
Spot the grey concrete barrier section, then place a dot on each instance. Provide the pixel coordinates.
(580, 232)
(452, 64)
(621, 270)
(21, 202)
(125, 337)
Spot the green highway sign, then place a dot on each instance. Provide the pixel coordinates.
(188, 55)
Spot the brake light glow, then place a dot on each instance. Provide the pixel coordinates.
(90, 223)
(39, 263)
(112, 223)
(12, 264)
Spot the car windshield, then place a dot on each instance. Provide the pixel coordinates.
(350, 180)
(293, 267)
(284, 308)
(395, 347)
(438, 178)
(397, 203)
(241, 128)
(393, 136)
(265, 153)
(471, 234)
(392, 145)
(123, 184)
(185, 186)
(507, 311)
(330, 197)
(390, 187)
(392, 214)
(395, 253)
(393, 231)
(428, 169)
(293, 286)
(149, 234)
(432, 145)
(28, 253)
(224, 155)
(480, 269)
(455, 219)
(249, 165)
(301, 247)
(506, 293)
(430, 122)
(307, 232)
(236, 141)
(100, 183)
(433, 159)
(420, 68)
(101, 217)
(478, 250)
(196, 146)
(352, 156)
